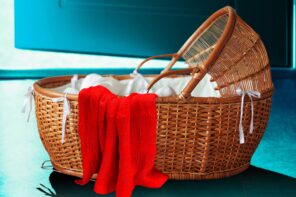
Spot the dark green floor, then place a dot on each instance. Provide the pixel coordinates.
(21, 154)
(253, 182)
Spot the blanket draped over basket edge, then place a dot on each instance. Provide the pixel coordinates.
(118, 140)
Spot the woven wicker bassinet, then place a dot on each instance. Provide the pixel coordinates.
(197, 138)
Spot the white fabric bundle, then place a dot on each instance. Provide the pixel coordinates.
(138, 84)
(73, 88)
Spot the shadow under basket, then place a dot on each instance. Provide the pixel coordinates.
(197, 138)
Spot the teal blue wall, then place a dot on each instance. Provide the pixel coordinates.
(293, 35)
(141, 28)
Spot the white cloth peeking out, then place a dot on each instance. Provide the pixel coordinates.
(138, 84)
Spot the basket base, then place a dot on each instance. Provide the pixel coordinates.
(172, 176)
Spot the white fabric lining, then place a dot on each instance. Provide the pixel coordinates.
(163, 88)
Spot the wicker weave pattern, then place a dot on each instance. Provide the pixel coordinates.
(202, 140)
(195, 140)
(200, 50)
(49, 120)
(243, 63)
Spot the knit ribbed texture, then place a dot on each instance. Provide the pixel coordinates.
(118, 141)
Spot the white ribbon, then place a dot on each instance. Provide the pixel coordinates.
(28, 101)
(250, 94)
(66, 112)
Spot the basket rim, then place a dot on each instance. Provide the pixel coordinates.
(41, 90)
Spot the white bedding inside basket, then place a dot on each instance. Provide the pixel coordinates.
(164, 87)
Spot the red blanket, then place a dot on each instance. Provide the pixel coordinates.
(118, 141)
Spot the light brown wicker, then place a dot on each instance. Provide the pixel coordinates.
(197, 138)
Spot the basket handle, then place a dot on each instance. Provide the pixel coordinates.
(174, 56)
(195, 71)
(169, 73)
(197, 76)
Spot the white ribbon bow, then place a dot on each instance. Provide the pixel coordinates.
(66, 112)
(250, 94)
(28, 100)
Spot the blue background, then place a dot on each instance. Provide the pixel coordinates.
(140, 29)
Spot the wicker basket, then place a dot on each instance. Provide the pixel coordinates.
(197, 138)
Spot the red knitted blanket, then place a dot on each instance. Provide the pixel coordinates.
(118, 141)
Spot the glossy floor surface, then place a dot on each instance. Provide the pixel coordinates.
(21, 155)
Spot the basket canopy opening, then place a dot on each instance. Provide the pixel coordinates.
(202, 47)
